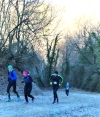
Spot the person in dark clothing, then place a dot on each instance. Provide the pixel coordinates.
(56, 81)
(28, 86)
(12, 77)
(67, 86)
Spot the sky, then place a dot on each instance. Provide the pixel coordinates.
(74, 9)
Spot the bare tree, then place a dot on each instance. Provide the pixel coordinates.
(22, 24)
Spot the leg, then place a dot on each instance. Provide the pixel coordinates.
(25, 93)
(14, 89)
(29, 91)
(56, 93)
(29, 95)
(57, 97)
(68, 93)
(55, 88)
(26, 97)
(8, 89)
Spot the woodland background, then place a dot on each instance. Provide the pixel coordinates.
(31, 38)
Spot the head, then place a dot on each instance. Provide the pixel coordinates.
(25, 73)
(10, 68)
(56, 73)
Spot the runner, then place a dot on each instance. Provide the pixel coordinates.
(28, 86)
(12, 78)
(56, 81)
(67, 86)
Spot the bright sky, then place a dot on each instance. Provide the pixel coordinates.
(74, 9)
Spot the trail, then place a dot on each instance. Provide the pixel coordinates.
(77, 104)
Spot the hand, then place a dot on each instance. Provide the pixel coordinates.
(59, 84)
(22, 81)
(50, 83)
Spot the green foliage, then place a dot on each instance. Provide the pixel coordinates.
(65, 69)
(89, 57)
(78, 72)
(52, 55)
(97, 52)
(92, 83)
(87, 53)
(98, 87)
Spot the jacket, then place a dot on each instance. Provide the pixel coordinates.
(56, 80)
(12, 76)
(28, 79)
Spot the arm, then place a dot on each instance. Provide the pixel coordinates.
(31, 79)
(61, 78)
(14, 77)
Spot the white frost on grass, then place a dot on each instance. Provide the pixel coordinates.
(77, 104)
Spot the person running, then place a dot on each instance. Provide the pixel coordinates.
(28, 86)
(56, 81)
(12, 78)
(67, 86)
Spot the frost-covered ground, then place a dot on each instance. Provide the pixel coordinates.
(77, 104)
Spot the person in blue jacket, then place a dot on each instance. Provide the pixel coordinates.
(12, 78)
(67, 86)
(56, 81)
(28, 86)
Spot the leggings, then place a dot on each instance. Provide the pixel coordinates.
(55, 88)
(27, 91)
(12, 84)
(67, 92)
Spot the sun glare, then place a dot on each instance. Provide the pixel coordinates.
(74, 9)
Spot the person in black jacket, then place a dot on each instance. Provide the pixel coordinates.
(28, 86)
(55, 80)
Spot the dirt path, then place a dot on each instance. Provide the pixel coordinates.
(77, 104)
